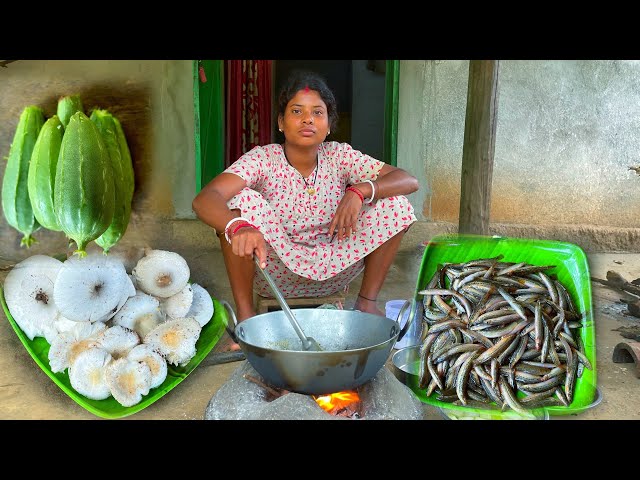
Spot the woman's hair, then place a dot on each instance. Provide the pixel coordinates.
(298, 80)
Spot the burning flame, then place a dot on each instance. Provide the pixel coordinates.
(337, 401)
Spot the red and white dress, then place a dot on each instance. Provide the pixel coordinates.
(301, 259)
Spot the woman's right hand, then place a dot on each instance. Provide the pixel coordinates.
(248, 241)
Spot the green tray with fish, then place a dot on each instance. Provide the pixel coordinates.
(571, 270)
(38, 348)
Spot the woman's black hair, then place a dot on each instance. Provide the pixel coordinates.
(299, 80)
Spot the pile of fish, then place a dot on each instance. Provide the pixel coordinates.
(498, 328)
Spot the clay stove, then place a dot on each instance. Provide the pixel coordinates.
(246, 396)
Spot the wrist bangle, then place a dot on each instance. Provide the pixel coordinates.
(242, 225)
(373, 192)
(356, 191)
(226, 229)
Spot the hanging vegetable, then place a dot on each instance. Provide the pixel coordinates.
(16, 204)
(67, 106)
(84, 186)
(116, 144)
(42, 173)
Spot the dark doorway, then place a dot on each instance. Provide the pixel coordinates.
(359, 87)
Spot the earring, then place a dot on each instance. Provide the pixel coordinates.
(328, 133)
(280, 129)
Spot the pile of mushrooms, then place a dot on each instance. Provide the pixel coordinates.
(115, 332)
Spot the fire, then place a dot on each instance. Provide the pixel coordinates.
(334, 402)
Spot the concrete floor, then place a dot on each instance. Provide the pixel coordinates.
(27, 393)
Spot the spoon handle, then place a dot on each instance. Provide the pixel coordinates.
(282, 302)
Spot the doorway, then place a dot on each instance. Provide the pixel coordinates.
(366, 93)
(359, 88)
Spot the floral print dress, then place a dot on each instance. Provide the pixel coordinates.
(302, 259)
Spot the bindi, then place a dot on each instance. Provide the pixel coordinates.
(306, 89)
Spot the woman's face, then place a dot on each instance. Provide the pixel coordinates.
(305, 120)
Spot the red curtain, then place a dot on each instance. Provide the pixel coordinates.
(248, 106)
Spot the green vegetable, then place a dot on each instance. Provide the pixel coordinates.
(16, 204)
(111, 131)
(67, 106)
(84, 188)
(42, 173)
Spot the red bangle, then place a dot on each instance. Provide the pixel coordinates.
(357, 192)
(238, 227)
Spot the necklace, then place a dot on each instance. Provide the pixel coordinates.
(311, 189)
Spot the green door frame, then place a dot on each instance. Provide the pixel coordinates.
(208, 99)
(209, 108)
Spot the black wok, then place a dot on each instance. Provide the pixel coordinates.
(354, 347)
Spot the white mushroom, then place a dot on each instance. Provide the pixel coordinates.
(129, 288)
(90, 288)
(202, 306)
(66, 346)
(128, 380)
(84, 330)
(28, 291)
(140, 313)
(175, 340)
(156, 363)
(63, 324)
(87, 374)
(177, 306)
(161, 273)
(50, 330)
(118, 341)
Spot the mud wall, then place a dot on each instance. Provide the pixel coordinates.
(153, 100)
(566, 136)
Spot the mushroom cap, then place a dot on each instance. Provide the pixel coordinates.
(87, 373)
(44, 264)
(50, 330)
(33, 308)
(63, 324)
(175, 340)
(140, 313)
(66, 346)
(202, 307)
(156, 363)
(129, 288)
(59, 351)
(86, 330)
(90, 288)
(128, 380)
(28, 291)
(177, 306)
(161, 273)
(118, 341)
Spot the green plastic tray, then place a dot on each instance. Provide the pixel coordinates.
(38, 348)
(572, 270)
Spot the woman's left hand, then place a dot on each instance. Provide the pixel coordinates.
(345, 219)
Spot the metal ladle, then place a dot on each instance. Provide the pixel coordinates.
(308, 343)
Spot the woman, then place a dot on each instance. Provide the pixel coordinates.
(314, 212)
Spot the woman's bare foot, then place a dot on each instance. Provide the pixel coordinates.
(367, 306)
(226, 344)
